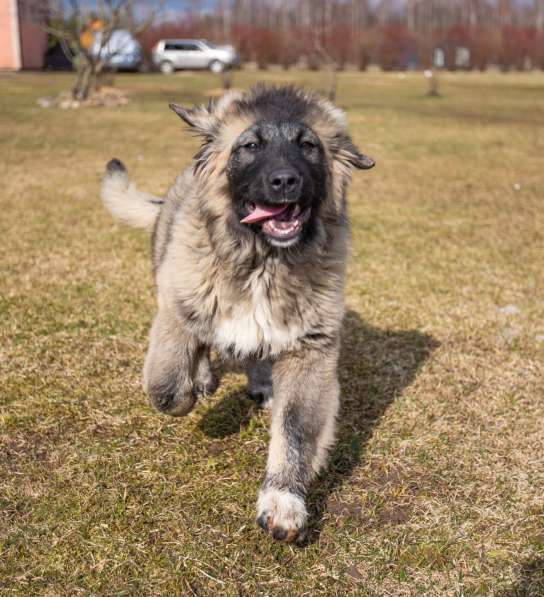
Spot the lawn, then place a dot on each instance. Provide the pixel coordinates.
(436, 485)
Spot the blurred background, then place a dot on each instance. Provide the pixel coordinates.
(392, 34)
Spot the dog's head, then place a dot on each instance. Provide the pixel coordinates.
(281, 156)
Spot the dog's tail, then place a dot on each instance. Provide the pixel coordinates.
(124, 201)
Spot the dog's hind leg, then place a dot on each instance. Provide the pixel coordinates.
(306, 399)
(259, 377)
(171, 364)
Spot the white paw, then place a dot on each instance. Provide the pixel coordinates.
(282, 513)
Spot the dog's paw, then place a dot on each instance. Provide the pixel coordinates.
(171, 402)
(261, 394)
(282, 513)
(206, 386)
(262, 399)
(259, 386)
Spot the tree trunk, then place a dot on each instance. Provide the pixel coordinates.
(333, 82)
(432, 79)
(87, 79)
(226, 80)
(84, 82)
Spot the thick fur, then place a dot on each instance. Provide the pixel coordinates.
(125, 202)
(222, 285)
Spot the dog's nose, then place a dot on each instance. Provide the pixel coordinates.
(286, 180)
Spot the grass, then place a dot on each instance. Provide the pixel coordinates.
(436, 484)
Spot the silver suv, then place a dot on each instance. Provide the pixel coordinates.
(171, 54)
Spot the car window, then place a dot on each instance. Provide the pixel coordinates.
(181, 47)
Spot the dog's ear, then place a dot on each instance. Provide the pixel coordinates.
(342, 145)
(200, 118)
(349, 153)
(206, 119)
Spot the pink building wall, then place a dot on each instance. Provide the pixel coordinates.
(34, 44)
(9, 33)
(23, 41)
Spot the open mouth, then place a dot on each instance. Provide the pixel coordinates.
(282, 223)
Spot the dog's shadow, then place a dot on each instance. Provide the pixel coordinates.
(530, 580)
(375, 367)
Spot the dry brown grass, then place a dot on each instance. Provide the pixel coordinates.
(436, 484)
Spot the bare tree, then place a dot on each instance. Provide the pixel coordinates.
(384, 11)
(226, 18)
(505, 10)
(324, 56)
(71, 24)
(539, 14)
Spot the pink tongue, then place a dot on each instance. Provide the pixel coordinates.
(263, 212)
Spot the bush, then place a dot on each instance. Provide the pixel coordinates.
(396, 47)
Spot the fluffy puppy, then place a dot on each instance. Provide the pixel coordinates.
(249, 256)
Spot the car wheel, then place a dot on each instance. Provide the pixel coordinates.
(167, 68)
(216, 66)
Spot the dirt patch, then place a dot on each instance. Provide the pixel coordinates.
(104, 97)
(339, 507)
(394, 514)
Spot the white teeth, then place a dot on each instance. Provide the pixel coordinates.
(296, 210)
(271, 228)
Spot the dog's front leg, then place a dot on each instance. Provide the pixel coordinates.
(171, 363)
(306, 398)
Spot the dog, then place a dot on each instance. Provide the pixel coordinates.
(249, 256)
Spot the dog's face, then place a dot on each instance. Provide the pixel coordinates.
(283, 153)
(277, 173)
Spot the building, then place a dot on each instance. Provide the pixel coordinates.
(23, 39)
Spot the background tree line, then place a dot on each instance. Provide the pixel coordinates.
(392, 34)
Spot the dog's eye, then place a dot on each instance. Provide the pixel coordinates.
(251, 146)
(307, 145)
